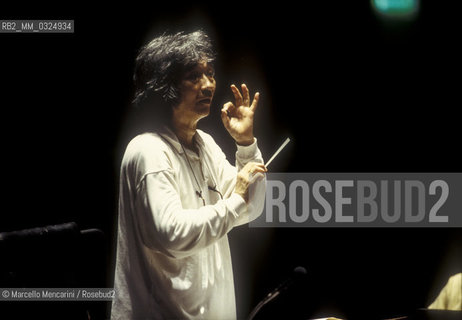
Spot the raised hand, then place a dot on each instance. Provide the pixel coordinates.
(238, 117)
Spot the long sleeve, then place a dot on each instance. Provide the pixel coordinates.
(179, 232)
(257, 190)
(227, 177)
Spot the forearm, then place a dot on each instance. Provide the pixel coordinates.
(256, 202)
(256, 191)
(180, 232)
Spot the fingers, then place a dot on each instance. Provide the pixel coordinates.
(256, 177)
(237, 95)
(254, 105)
(251, 172)
(225, 119)
(251, 169)
(246, 96)
(259, 167)
(254, 167)
(229, 108)
(225, 113)
(244, 99)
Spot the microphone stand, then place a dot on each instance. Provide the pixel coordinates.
(297, 273)
(268, 298)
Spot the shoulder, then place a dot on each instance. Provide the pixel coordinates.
(147, 140)
(148, 143)
(147, 152)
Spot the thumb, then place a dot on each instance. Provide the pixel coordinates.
(225, 118)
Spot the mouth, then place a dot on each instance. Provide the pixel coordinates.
(205, 101)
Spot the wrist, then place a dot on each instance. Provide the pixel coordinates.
(245, 142)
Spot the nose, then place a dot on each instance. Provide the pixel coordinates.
(208, 85)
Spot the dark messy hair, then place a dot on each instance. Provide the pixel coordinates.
(162, 62)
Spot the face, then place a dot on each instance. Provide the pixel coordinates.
(196, 91)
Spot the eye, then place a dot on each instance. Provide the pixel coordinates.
(194, 76)
(210, 73)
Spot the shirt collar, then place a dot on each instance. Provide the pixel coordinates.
(171, 137)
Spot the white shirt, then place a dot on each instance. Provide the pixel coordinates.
(173, 258)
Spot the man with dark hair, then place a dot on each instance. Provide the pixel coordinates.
(179, 196)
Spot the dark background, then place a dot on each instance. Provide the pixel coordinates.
(355, 94)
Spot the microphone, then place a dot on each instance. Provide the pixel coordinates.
(69, 229)
(46, 243)
(298, 273)
(40, 232)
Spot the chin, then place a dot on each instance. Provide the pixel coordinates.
(203, 111)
